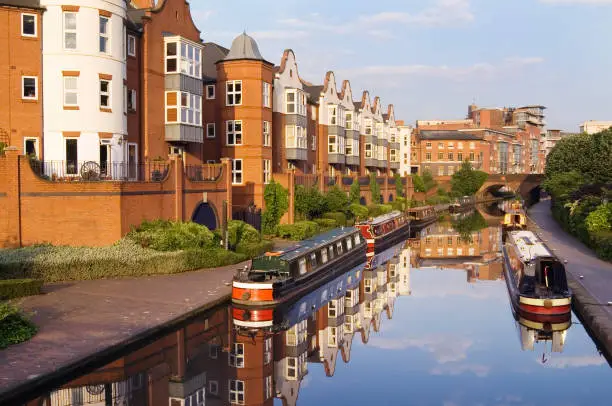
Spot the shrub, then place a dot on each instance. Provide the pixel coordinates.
(355, 192)
(163, 235)
(374, 189)
(399, 204)
(561, 184)
(417, 183)
(326, 224)
(338, 217)
(399, 186)
(298, 231)
(254, 249)
(14, 288)
(602, 241)
(15, 328)
(240, 232)
(600, 219)
(276, 198)
(309, 202)
(375, 210)
(125, 258)
(467, 181)
(2, 147)
(359, 212)
(336, 200)
(428, 180)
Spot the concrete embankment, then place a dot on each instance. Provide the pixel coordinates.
(589, 277)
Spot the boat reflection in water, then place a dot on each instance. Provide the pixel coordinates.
(532, 333)
(234, 355)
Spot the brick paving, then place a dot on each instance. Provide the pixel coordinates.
(77, 320)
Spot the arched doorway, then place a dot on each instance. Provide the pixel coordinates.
(205, 215)
(362, 201)
(390, 198)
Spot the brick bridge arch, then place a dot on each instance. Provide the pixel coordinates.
(526, 185)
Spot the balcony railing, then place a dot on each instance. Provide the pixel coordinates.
(204, 172)
(92, 171)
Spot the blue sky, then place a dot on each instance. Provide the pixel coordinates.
(431, 58)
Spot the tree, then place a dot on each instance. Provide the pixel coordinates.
(417, 183)
(309, 202)
(428, 180)
(336, 199)
(465, 226)
(561, 184)
(277, 203)
(355, 192)
(467, 181)
(374, 189)
(399, 186)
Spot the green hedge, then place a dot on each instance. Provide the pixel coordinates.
(254, 249)
(359, 212)
(163, 235)
(339, 217)
(126, 258)
(14, 288)
(240, 232)
(15, 328)
(603, 244)
(298, 231)
(375, 210)
(326, 223)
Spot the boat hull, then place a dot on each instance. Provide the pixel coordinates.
(385, 241)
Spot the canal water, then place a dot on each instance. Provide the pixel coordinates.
(427, 322)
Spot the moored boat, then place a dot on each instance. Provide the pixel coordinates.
(420, 217)
(535, 278)
(280, 276)
(383, 229)
(462, 204)
(515, 218)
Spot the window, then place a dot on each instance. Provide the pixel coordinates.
(105, 94)
(313, 260)
(131, 100)
(330, 249)
(323, 256)
(472, 157)
(296, 137)
(290, 99)
(332, 308)
(267, 164)
(191, 109)
(368, 150)
(472, 145)
(295, 102)
(333, 115)
(313, 143)
(237, 171)
(332, 337)
(28, 25)
(104, 29)
(210, 130)
(349, 147)
(292, 367)
(131, 45)
(428, 156)
(339, 248)
(213, 351)
(460, 156)
(233, 90)
(236, 392)
(268, 387)
(268, 350)
(70, 30)
(302, 266)
(459, 145)
(125, 99)
(236, 356)
(393, 155)
(333, 144)
(451, 145)
(213, 387)
(171, 57)
(233, 132)
(266, 133)
(440, 156)
(449, 240)
(29, 87)
(266, 95)
(30, 146)
(441, 145)
(450, 156)
(349, 120)
(428, 144)
(440, 171)
(72, 162)
(368, 126)
(210, 92)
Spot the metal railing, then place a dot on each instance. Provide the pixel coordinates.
(92, 171)
(204, 172)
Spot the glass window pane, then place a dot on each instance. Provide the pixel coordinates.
(29, 24)
(103, 25)
(70, 40)
(70, 21)
(171, 65)
(171, 49)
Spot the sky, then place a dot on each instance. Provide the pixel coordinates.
(432, 58)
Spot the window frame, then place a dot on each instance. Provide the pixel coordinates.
(35, 35)
(214, 90)
(332, 115)
(236, 172)
(233, 132)
(267, 171)
(234, 358)
(75, 91)
(133, 100)
(233, 92)
(105, 35)
(214, 130)
(108, 93)
(236, 391)
(35, 97)
(131, 39)
(332, 144)
(266, 94)
(76, 139)
(267, 137)
(70, 30)
(25, 140)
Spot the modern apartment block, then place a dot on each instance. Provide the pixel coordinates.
(594, 126)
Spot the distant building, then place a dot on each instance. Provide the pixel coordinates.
(594, 126)
(551, 137)
(405, 151)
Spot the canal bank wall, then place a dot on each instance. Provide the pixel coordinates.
(589, 277)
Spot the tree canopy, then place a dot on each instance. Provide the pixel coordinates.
(467, 181)
(374, 189)
(277, 203)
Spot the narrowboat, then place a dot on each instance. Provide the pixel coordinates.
(280, 276)
(462, 204)
(535, 278)
(420, 217)
(532, 332)
(382, 230)
(515, 218)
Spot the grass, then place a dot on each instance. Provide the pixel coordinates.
(15, 328)
(14, 288)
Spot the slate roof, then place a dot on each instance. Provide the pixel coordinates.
(211, 54)
(314, 92)
(244, 47)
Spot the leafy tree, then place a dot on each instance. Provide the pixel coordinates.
(336, 200)
(355, 192)
(465, 226)
(309, 202)
(428, 180)
(374, 189)
(277, 203)
(417, 183)
(600, 219)
(561, 184)
(399, 186)
(467, 181)
(359, 212)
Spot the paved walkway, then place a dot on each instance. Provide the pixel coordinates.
(79, 319)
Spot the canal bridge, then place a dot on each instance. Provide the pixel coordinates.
(528, 186)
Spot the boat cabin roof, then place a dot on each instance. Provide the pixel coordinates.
(420, 209)
(384, 218)
(307, 245)
(529, 245)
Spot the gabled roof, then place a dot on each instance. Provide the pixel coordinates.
(211, 54)
(314, 92)
(357, 105)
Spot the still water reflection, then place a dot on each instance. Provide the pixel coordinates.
(427, 322)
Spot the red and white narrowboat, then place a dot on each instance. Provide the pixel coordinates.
(535, 278)
(382, 229)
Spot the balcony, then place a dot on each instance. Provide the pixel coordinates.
(371, 162)
(297, 154)
(184, 133)
(336, 158)
(95, 171)
(352, 160)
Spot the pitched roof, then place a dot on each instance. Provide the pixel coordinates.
(447, 135)
(211, 54)
(357, 105)
(314, 92)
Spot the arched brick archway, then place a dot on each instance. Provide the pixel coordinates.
(206, 215)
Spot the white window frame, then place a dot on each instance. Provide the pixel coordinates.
(235, 391)
(214, 130)
(332, 143)
(104, 35)
(230, 129)
(332, 337)
(234, 93)
(268, 387)
(108, 93)
(332, 118)
(292, 370)
(235, 357)
(213, 95)
(349, 120)
(190, 65)
(237, 172)
(125, 99)
(70, 30)
(66, 158)
(314, 142)
(213, 384)
(267, 166)
(75, 91)
(23, 96)
(348, 148)
(131, 45)
(369, 152)
(368, 130)
(176, 57)
(266, 93)
(192, 107)
(267, 350)
(35, 25)
(133, 99)
(266, 133)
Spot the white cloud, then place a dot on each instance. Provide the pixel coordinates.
(480, 371)
(442, 12)
(278, 34)
(591, 2)
(201, 15)
(445, 348)
(573, 362)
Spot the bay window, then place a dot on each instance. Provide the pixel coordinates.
(237, 180)
(349, 146)
(190, 106)
(368, 126)
(379, 130)
(333, 144)
(393, 155)
(187, 53)
(233, 132)
(296, 137)
(333, 115)
(368, 151)
(349, 120)
(295, 102)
